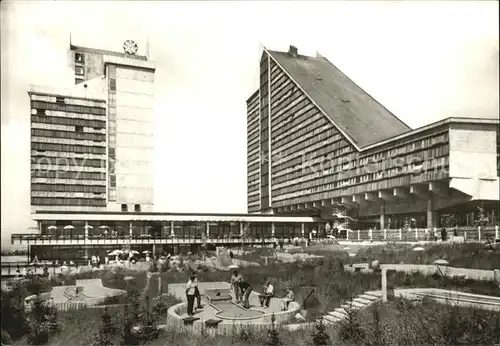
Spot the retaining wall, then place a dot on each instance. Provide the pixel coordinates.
(176, 312)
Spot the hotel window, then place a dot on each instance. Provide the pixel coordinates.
(60, 99)
(40, 112)
(78, 80)
(137, 207)
(78, 57)
(78, 128)
(124, 207)
(112, 180)
(79, 70)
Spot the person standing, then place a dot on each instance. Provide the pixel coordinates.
(246, 288)
(444, 234)
(190, 294)
(236, 278)
(197, 292)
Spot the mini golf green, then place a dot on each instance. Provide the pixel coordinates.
(229, 310)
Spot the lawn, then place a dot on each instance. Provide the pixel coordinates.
(332, 287)
(468, 255)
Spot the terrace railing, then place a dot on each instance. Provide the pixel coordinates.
(410, 235)
(425, 234)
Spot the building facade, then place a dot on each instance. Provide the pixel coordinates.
(328, 148)
(92, 144)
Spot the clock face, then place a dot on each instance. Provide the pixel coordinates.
(130, 47)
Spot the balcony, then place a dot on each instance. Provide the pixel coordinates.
(101, 239)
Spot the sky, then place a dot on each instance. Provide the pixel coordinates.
(423, 60)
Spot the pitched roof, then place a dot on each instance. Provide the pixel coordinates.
(351, 109)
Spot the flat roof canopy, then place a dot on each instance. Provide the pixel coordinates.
(131, 216)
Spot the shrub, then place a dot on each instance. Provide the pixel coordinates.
(106, 335)
(273, 337)
(6, 339)
(42, 323)
(351, 330)
(13, 321)
(319, 335)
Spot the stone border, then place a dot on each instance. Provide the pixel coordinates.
(174, 318)
(240, 318)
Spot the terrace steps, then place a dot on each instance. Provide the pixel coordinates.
(360, 302)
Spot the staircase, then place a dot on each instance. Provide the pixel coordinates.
(360, 302)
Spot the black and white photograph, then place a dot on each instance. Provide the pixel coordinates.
(248, 173)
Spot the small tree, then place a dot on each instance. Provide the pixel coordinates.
(319, 335)
(106, 335)
(481, 218)
(148, 327)
(128, 337)
(350, 330)
(42, 323)
(273, 337)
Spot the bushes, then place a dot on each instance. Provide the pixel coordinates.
(273, 336)
(107, 333)
(42, 323)
(319, 336)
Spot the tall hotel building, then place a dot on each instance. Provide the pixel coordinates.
(92, 145)
(318, 144)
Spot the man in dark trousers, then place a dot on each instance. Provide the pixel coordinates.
(190, 294)
(247, 289)
(197, 294)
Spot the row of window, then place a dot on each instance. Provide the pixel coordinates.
(299, 113)
(65, 161)
(312, 119)
(64, 114)
(416, 145)
(279, 85)
(349, 169)
(59, 174)
(300, 143)
(68, 188)
(61, 106)
(314, 194)
(68, 148)
(334, 145)
(252, 118)
(288, 109)
(252, 137)
(405, 141)
(336, 180)
(284, 97)
(253, 198)
(94, 202)
(288, 98)
(97, 124)
(78, 134)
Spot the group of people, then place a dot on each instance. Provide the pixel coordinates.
(242, 290)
